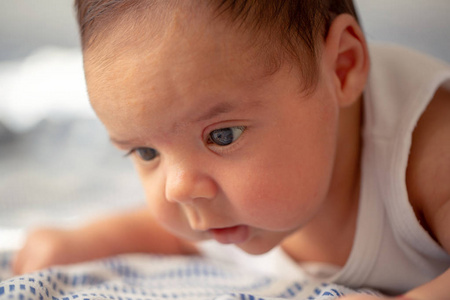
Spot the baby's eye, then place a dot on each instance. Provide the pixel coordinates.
(145, 153)
(225, 136)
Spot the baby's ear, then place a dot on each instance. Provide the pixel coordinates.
(347, 56)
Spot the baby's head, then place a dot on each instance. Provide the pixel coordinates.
(230, 109)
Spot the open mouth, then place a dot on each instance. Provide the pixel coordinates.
(231, 235)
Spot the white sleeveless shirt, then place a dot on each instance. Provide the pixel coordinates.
(391, 251)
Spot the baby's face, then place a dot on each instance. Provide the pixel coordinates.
(224, 149)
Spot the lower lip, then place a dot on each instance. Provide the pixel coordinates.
(231, 235)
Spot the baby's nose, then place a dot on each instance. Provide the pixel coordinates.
(184, 186)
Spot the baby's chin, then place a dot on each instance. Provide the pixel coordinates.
(258, 245)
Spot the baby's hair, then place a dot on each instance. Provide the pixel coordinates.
(295, 25)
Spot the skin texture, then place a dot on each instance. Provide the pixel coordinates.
(290, 175)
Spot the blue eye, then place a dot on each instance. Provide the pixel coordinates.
(225, 136)
(146, 154)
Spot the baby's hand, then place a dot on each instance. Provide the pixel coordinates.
(46, 247)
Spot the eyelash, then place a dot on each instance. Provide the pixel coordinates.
(129, 153)
(136, 151)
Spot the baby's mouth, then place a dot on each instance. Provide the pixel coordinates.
(231, 235)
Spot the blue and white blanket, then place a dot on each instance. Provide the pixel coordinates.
(145, 277)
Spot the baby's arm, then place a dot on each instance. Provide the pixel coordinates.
(427, 179)
(130, 232)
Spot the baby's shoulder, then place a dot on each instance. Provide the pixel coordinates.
(428, 172)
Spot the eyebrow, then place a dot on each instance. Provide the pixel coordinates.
(216, 110)
(120, 142)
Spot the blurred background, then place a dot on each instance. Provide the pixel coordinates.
(57, 167)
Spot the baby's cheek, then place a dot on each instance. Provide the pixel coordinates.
(274, 202)
(161, 209)
(169, 216)
(259, 203)
(166, 215)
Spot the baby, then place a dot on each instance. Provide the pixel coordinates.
(256, 123)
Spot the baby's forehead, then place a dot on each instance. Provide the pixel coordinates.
(177, 39)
